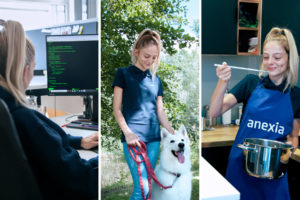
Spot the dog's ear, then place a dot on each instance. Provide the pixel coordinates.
(182, 130)
(164, 133)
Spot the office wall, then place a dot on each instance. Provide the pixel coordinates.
(38, 38)
(68, 104)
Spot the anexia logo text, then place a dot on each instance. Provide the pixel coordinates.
(265, 126)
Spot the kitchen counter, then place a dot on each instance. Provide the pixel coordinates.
(296, 155)
(213, 185)
(223, 136)
(219, 137)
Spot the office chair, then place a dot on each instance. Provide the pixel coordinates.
(17, 181)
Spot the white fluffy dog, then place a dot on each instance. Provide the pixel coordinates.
(174, 167)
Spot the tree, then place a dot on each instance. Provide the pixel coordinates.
(195, 28)
(186, 66)
(121, 22)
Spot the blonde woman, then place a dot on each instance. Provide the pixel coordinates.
(273, 99)
(138, 105)
(58, 169)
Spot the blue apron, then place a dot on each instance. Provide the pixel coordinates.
(268, 115)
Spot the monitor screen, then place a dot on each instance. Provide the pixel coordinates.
(72, 64)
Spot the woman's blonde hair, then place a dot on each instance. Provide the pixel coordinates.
(286, 39)
(12, 59)
(145, 38)
(30, 52)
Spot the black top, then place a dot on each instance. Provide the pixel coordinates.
(60, 172)
(139, 100)
(243, 90)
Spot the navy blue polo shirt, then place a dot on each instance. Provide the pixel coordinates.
(139, 99)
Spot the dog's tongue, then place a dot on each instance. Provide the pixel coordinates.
(180, 157)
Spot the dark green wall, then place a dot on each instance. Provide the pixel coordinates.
(219, 30)
(283, 14)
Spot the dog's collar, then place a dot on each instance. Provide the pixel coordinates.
(175, 174)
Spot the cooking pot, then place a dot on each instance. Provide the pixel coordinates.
(264, 158)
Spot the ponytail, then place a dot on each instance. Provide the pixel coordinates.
(145, 38)
(286, 39)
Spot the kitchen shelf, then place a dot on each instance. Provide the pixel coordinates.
(249, 27)
(250, 1)
(247, 54)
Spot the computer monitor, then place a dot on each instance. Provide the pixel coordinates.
(72, 66)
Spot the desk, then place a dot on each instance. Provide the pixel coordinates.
(86, 154)
(214, 186)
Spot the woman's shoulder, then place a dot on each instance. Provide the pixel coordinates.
(157, 77)
(252, 78)
(125, 69)
(25, 114)
(121, 71)
(295, 98)
(25, 119)
(120, 77)
(122, 68)
(29, 117)
(296, 89)
(243, 89)
(295, 92)
(250, 81)
(29, 121)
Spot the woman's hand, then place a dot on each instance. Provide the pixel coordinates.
(90, 141)
(224, 72)
(292, 138)
(218, 102)
(290, 151)
(132, 139)
(162, 117)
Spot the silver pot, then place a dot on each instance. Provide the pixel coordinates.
(264, 158)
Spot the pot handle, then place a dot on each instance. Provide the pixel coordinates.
(246, 148)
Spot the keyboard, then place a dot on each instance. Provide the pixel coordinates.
(83, 125)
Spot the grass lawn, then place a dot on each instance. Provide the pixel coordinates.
(119, 191)
(116, 191)
(116, 182)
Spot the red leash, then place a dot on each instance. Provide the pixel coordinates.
(150, 172)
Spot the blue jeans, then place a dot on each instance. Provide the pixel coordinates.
(152, 151)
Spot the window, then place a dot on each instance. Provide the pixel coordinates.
(34, 15)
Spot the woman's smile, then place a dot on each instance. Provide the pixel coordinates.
(270, 69)
(275, 60)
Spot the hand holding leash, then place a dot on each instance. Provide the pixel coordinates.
(132, 139)
(135, 153)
